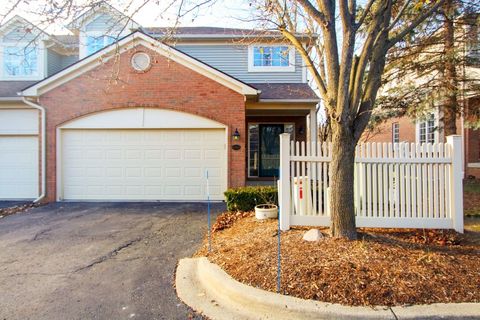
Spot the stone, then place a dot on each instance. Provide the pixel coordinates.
(313, 235)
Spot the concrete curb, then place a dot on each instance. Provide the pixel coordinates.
(206, 288)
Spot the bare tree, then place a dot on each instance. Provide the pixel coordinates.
(346, 60)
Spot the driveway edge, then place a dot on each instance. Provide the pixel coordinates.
(206, 288)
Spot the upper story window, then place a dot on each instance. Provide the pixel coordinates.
(95, 44)
(267, 58)
(20, 61)
(427, 130)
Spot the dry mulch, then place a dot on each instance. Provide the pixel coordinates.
(385, 267)
(17, 209)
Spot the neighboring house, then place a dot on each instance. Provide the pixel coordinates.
(118, 111)
(429, 129)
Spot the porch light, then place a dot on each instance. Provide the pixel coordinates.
(236, 135)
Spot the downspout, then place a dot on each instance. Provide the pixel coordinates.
(44, 146)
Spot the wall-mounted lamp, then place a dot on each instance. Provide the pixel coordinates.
(236, 135)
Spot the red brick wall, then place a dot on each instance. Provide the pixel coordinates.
(166, 85)
(383, 132)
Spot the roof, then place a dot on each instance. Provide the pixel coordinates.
(213, 32)
(100, 7)
(286, 91)
(9, 89)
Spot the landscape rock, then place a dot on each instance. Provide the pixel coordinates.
(313, 235)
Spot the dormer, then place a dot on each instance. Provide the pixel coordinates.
(22, 50)
(100, 26)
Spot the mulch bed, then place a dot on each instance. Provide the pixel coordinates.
(17, 209)
(384, 267)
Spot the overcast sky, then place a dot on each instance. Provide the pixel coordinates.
(222, 13)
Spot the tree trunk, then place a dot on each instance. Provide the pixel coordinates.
(341, 183)
(450, 106)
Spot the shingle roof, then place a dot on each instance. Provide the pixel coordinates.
(285, 91)
(9, 89)
(216, 32)
(207, 31)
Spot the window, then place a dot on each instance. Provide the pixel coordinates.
(262, 140)
(427, 130)
(95, 44)
(395, 132)
(271, 58)
(20, 61)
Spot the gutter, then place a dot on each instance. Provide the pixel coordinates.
(2, 99)
(43, 113)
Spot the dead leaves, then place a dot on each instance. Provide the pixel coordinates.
(384, 267)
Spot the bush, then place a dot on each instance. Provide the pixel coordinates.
(246, 198)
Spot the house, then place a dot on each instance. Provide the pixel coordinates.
(119, 111)
(428, 128)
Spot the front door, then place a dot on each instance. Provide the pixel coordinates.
(270, 149)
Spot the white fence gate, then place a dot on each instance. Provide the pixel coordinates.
(399, 185)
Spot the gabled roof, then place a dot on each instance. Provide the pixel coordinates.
(102, 7)
(18, 19)
(127, 42)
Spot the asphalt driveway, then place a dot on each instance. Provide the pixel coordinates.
(97, 260)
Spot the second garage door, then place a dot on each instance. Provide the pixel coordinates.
(154, 164)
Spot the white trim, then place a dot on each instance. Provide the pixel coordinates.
(291, 59)
(129, 42)
(142, 118)
(473, 165)
(436, 135)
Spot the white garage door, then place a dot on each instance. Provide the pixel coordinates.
(143, 164)
(18, 153)
(18, 167)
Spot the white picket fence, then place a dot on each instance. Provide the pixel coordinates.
(396, 185)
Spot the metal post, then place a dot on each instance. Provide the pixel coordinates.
(209, 220)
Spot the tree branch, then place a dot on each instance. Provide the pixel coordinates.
(399, 36)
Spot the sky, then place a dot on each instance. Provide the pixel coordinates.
(222, 13)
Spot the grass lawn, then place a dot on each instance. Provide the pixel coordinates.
(471, 198)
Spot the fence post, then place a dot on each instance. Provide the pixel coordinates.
(284, 190)
(456, 191)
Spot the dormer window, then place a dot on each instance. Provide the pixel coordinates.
(20, 61)
(95, 44)
(271, 58)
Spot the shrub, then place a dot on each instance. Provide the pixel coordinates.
(246, 198)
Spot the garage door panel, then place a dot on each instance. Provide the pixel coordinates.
(143, 164)
(18, 167)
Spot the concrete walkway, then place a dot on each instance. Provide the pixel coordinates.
(208, 289)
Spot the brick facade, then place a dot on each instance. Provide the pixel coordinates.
(166, 85)
(383, 133)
